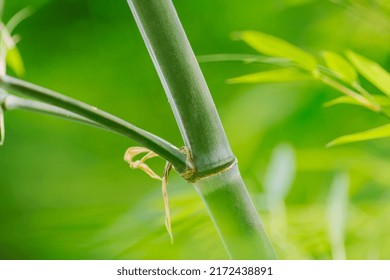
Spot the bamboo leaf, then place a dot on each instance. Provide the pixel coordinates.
(383, 101)
(273, 46)
(14, 61)
(283, 75)
(376, 133)
(371, 70)
(342, 100)
(246, 58)
(340, 66)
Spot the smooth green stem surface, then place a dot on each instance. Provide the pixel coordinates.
(13, 102)
(184, 83)
(220, 186)
(148, 140)
(235, 216)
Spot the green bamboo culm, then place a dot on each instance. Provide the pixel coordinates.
(215, 172)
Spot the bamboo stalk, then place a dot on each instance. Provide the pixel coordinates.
(183, 82)
(215, 175)
(235, 216)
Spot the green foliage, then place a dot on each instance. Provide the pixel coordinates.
(9, 52)
(339, 66)
(272, 46)
(14, 61)
(337, 72)
(376, 133)
(76, 198)
(372, 71)
(283, 75)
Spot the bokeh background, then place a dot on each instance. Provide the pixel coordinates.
(66, 193)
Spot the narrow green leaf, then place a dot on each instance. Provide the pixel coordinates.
(342, 100)
(340, 66)
(273, 46)
(15, 62)
(246, 58)
(283, 75)
(383, 101)
(376, 133)
(372, 71)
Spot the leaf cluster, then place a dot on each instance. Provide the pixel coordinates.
(342, 72)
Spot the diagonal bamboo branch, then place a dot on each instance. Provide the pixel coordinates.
(12, 102)
(99, 117)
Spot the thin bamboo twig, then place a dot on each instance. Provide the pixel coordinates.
(366, 103)
(12, 102)
(150, 141)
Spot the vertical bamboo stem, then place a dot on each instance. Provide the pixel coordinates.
(215, 176)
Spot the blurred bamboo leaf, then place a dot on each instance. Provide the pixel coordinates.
(273, 46)
(10, 51)
(341, 67)
(15, 62)
(280, 173)
(376, 133)
(282, 75)
(342, 100)
(371, 70)
(383, 101)
(145, 233)
(337, 214)
(246, 58)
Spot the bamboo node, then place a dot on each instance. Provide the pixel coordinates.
(189, 173)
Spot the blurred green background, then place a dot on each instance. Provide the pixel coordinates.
(66, 193)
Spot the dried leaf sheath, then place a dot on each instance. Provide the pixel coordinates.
(133, 152)
(140, 164)
(164, 190)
